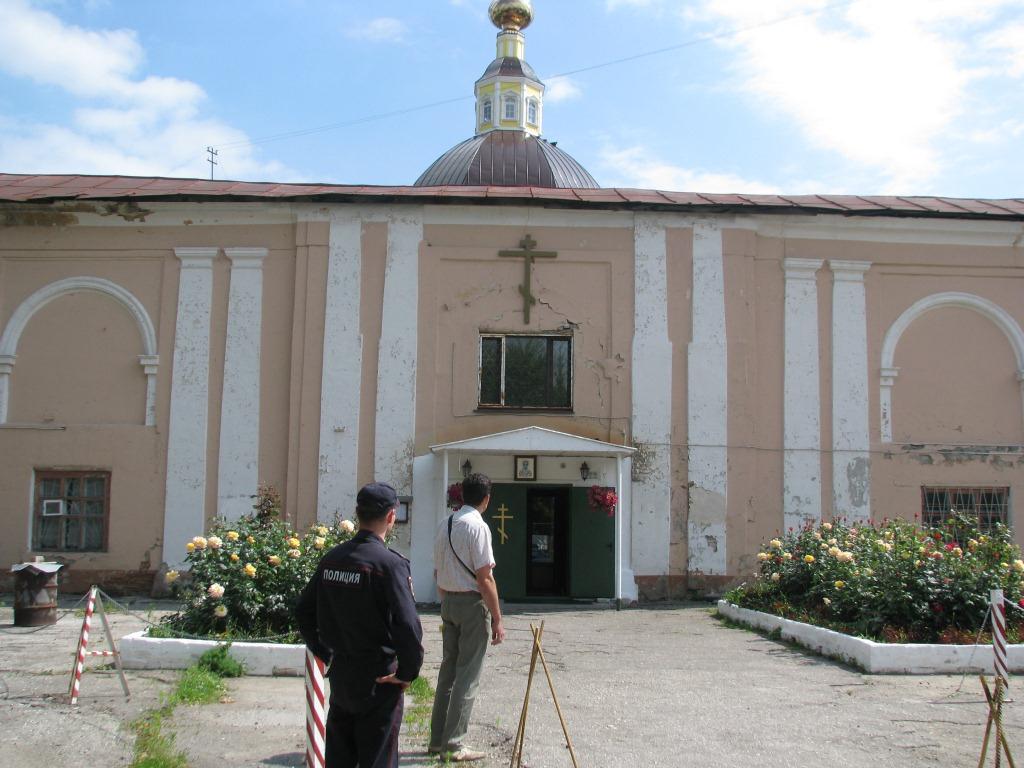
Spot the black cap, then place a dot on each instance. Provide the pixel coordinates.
(379, 496)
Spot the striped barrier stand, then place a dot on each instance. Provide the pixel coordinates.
(316, 719)
(83, 642)
(1001, 665)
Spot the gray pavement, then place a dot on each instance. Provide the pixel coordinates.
(667, 686)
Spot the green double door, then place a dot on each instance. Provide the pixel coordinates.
(549, 543)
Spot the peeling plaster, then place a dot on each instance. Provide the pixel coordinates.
(64, 215)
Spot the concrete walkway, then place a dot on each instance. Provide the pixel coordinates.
(639, 688)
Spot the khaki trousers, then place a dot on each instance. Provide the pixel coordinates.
(465, 624)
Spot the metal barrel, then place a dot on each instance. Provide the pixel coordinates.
(35, 594)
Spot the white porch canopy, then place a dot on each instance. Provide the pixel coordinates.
(431, 481)
(537, 441)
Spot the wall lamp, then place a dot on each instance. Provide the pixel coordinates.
(584, 471)
(467, 469)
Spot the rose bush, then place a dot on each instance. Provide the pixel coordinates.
(245, 575)
(895, 582)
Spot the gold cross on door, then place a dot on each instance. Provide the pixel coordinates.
(528, 255)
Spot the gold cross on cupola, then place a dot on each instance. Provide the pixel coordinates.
(528, 255)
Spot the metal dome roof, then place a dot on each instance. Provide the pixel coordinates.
(507, 159)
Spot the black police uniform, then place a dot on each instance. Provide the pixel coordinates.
(358, 612)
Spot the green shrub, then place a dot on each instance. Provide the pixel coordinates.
(246, 575)
(897, 582)
(219, 661)
(198, 686)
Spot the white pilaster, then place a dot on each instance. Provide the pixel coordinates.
(150, 366)
(801, 474)
(342, 372)
(851, 442)
(652, 399)
(185, 496)
(6, 369)
(396, 363)
(239, 456)
(707, 396)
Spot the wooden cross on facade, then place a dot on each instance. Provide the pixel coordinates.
(528, 255)
(501, 517)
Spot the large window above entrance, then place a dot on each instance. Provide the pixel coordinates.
(525, 371)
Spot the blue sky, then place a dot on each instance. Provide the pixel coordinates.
(793, 96)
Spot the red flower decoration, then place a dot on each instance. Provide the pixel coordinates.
(602, 498)
(455, 496)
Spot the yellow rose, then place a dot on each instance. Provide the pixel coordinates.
(321, 530)
(250, 540)
(190, 547)
(845, 557)
(171, 576)
(200, 542)
(808, 558)
(274, 560)
(214, 542)
(762, 556)
(232, 535)
(1018, 565)
(840, 584)
(833, 550)
(319, 542)
(775, 543)
(776, 576)
(293, 542)
(250, 570)
(294, 553)
(346, 526)
(234, 557)
(832, 542)
(787, 556)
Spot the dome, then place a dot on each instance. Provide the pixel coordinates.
(506, 159)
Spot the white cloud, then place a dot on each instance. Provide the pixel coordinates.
(637, 167)
(384, 29)
(878, 82)
(1009, 43)
(122, 123)
(558, 89)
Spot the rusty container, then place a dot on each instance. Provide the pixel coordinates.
(35, 593)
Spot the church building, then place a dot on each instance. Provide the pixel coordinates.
(655, 381)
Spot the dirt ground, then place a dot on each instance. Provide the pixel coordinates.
(664, 686)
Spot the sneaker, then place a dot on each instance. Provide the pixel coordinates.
(465, 755)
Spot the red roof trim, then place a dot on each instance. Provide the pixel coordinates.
(23, 188)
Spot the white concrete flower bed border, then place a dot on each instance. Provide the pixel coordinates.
(877, 658)
(262, 659)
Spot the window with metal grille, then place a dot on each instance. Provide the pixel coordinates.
(526, 372)
(487, 111)
(71, 511)
(988, 505)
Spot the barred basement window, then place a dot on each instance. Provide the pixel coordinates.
(526, 372)
(71, 511)
(987, 505)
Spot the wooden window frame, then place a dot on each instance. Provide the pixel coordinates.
(510, 100)
(64, 476)
(933, 518)
(501, 406)
(486, 113)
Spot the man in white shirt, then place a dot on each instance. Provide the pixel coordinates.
(464, 564)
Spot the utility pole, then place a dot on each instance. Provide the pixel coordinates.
(212, 154)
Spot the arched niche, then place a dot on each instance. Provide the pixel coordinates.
(991, 311)
(48, 293)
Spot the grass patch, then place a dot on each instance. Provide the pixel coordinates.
(153, 747)
(417, 716)
(219, 661)
(198, 686)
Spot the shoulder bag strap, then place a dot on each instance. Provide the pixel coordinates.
(451, 519)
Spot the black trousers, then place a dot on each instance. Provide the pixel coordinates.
(368, 737)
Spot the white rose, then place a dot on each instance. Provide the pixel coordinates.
(220, 611)
(346, 526)
(216, 591)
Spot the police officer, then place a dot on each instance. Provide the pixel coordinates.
(358, 614)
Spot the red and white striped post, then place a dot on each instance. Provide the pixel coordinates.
(1002, 667)
(316, 719)
(83, 642)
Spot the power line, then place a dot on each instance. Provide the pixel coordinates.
(611, 63)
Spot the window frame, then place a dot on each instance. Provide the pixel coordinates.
(510, 99)
(486, 112)
(927, 517)
(533, 111)
(38, 502)
(501, 406)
